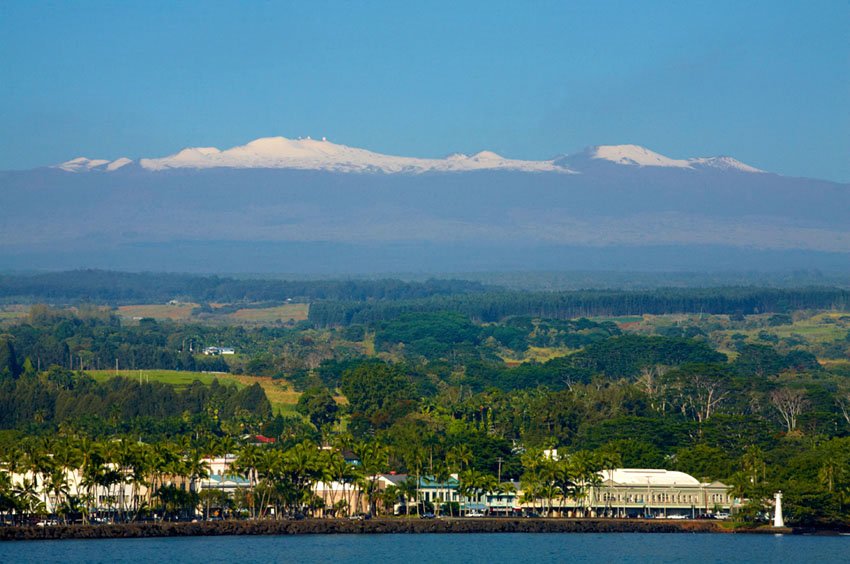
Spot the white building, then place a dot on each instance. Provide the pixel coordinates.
(215, 351)
(121, 496)
(657, 493)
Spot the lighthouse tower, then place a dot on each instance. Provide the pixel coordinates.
(777, 512)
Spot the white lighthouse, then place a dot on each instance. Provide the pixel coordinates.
(777, 511)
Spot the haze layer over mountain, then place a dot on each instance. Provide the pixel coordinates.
(277, 204)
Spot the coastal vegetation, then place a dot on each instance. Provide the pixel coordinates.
(747, 386)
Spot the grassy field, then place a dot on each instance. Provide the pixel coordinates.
(280, 392)
(820, 328)
(13, 312)
(178, 312)
(283, 313)
(538, 354)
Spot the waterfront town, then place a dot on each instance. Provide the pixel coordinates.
(243, 486)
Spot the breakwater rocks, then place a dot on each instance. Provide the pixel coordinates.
(340, 526)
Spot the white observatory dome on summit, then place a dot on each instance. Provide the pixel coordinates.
(312, 154)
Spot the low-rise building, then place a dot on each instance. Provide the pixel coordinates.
(214, 351)
(657, 493)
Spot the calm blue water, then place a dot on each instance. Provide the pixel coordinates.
(472, 548)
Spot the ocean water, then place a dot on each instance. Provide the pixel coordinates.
(468, 548)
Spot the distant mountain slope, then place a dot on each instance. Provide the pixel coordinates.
(275, 194)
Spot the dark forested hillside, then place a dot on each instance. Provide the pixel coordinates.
(494, 306)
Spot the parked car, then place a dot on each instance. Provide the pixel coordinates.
(722, 516)
(677, 516)
(360, 517)
(428, 515)
(475, 514)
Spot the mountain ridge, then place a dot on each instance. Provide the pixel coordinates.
(474, 212)
(311, 154)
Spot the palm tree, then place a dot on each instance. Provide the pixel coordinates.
(334, 469)
(442, 475)
(56, 483)
(374, 460)
(302, 465)
(91, 471)
(67, 459)
(246, 465)
(7, 498)
(270, 470)
(471, 483)
(198, 469)
(226, 446)
(408, 490)
(609, 461)
(459, 456)
(505, 489)
(585, 467)
(390, 496)
(564, 480)
(26, 497)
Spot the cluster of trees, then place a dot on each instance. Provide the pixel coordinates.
(94, 338)
(58, 396)
(437, 334)
(73, 469)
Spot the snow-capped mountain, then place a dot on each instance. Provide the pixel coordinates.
(635, 155)
(305, 204)
(311, 154)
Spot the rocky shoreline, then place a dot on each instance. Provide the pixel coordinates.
(374, 526)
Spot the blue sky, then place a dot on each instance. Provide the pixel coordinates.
(766, 82)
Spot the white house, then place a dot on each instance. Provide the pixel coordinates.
(215, 351)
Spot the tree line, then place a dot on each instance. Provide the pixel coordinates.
(109, 287)
(495, 306)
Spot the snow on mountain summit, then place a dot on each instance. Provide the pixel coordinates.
(635, 155)
(723, 163)
(314, 154)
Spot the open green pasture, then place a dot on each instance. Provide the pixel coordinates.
(280, 392)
